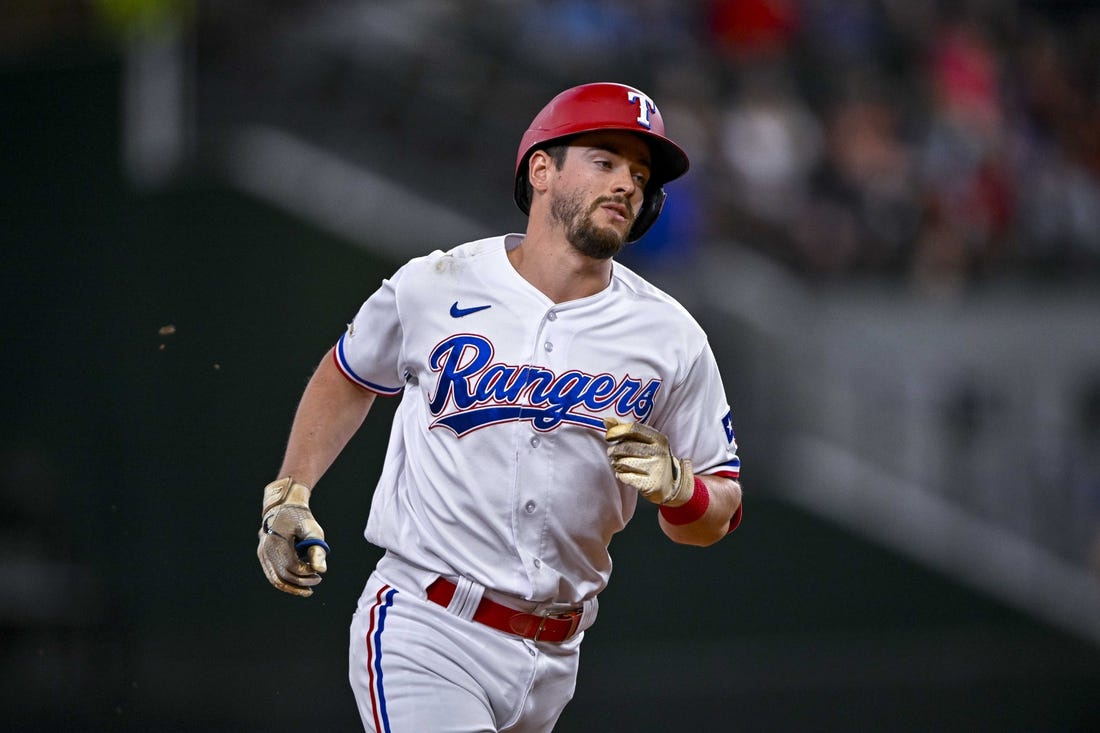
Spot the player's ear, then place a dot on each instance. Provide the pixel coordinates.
(539, 167)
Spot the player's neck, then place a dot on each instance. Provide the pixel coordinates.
(559, 271)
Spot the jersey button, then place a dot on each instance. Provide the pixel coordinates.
(530, 507)
(551, 316)
(538, 563)
(534, 441)
(548, 346)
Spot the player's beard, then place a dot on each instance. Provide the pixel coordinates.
(600, 243)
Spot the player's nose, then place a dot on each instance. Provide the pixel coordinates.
(624, 183)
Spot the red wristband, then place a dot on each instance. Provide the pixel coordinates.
(695, 507)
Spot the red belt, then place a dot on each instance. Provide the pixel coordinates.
(553, 627)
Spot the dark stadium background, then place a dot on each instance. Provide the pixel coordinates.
(156, 339)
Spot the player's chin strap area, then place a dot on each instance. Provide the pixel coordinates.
(647, 214)
(466, 599)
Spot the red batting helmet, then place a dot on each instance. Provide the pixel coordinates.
(605, 106)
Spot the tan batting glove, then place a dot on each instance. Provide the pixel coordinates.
(292, 547)
(641, 457)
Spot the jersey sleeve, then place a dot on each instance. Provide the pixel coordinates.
(698, 421)
(369, 351)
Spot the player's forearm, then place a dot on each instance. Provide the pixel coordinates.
(714, 524)
(330, 412)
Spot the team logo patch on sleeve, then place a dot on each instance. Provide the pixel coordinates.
(727, 425)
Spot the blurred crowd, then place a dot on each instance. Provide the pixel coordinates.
(938, 140)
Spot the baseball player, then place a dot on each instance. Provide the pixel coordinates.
(544, 387)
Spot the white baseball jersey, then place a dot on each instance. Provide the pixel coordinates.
(496, 468)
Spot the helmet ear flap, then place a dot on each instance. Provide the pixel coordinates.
(651, 208)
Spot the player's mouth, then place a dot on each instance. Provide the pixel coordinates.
(617, 210)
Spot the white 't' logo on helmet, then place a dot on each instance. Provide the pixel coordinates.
(646, 107)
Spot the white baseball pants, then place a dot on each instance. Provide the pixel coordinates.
(417, 668)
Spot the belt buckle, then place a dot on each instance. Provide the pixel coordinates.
(574, 618)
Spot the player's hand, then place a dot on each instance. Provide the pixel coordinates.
(641, 457)
(292, 547)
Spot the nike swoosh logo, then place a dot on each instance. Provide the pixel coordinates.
(457, 312)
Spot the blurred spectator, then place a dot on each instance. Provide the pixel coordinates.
(581, 36)
(771, 141)
(967, 187)
(1061, 196)
(843, 31)
(752, 29)
(865, 186)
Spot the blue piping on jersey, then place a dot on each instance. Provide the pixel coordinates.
(342, 362)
